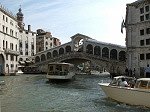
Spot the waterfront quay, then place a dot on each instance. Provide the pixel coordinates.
(33, 93)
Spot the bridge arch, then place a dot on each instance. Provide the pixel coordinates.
(43, 57)
(68, 48)
(97, 50)
(113, 54)
(105, 52)
(48, 55)
(89, 49)
(61, 51)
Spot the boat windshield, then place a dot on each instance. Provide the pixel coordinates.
(58, 69)
(114, 82)
(142, 84)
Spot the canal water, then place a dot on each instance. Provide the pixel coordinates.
(33, 93)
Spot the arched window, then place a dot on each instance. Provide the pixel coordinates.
(48, 55)
(61, 51)
(113, 54)
(37, 59)
(89, 49)
(105, 52)
(97, 50)
(43, 57)
(55, 53)
(68, 49)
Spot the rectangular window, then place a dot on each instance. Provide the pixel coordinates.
(6, 19)
(142, 32)
(141, 10)
(147, 16)
(20, 44)
(21, 53)
(10, 31)
(3, 17)
(32, 47)
(12, 58)
(6, 29)
(3, 28)
(12, 65)
(148, 30)
(141, 18)
(26, 45)
(16, 58)
(147, 8)
(141, 56)
(6, 56)
(26, 53)
(148, 56)
(147, 41)
(142, 42)
(16, 34)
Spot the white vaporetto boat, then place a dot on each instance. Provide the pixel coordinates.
(137, 95)
(60, 71)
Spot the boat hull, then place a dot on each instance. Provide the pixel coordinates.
(132, 96)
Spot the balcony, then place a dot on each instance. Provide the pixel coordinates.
(9, 51)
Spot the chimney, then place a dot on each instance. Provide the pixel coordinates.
(29, 28)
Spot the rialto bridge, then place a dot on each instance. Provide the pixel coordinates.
(81, 49)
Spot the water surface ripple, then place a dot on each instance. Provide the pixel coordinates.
(33, 93)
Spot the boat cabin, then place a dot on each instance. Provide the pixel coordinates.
(59, 68)
(143, 83)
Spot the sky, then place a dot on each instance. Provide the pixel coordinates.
(98, 19)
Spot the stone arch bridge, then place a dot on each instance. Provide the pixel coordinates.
(82, 48)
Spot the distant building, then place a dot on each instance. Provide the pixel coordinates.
(27, 42)
(138, 36)
(44, 41)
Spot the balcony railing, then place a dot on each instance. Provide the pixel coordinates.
(9, 51)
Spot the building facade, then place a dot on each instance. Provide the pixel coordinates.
(138, 36)
(16, 43)
(9, 50)
(44, 41)
(27, 42)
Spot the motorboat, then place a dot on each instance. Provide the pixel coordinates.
(28, 70)
(139, 94)
(95, 72)
(60, 71)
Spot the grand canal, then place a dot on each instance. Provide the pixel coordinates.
(32, 93)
